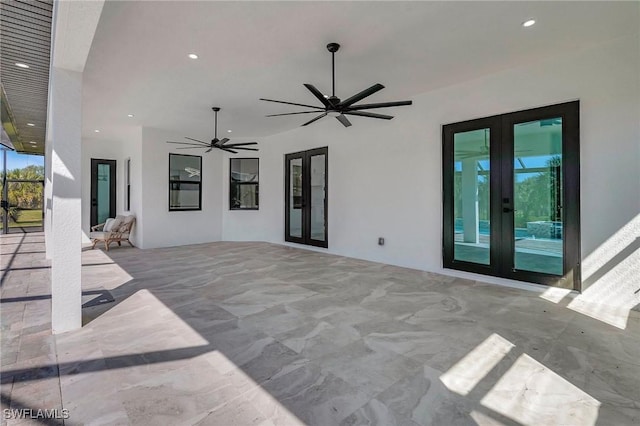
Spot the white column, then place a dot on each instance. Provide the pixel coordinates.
(65, 227)
(470, 222)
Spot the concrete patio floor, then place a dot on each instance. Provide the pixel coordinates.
(261, 334)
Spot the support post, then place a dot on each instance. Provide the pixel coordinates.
(470, 224)
(65, 227)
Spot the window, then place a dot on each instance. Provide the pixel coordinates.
(511, 195)
(185, 182)
(243, 184)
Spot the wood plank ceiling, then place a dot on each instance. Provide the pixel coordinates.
(25, 38)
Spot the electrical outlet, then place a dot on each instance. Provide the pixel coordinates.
(380, 241)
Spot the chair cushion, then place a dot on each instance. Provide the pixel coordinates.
(117, 222)
(108, 224)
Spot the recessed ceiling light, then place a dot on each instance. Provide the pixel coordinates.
(528, 23)
(130, 115)
(30, 124)
(97, 131)
(33, 142)
(21, 65)
(229, 131)
(193, 56)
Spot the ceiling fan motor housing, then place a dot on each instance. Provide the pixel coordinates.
(333, 47)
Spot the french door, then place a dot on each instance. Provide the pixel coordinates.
(306, 197)
(511, 195)
(103, 190)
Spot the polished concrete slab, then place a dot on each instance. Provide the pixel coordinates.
(248, 333)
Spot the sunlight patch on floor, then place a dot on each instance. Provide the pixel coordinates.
(531, 394)
(467, 373)
(100, 271)
(555, 294)
(611, 277)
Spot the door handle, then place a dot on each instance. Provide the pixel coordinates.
(507, 210)
(94, 202)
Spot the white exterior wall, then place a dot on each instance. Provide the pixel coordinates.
(385, 178)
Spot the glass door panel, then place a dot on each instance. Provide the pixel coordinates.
(537, 196)
(103, 190)
(295, 197)
(471, 200)
(103, 195)
(318, 197)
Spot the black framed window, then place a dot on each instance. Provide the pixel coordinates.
(511, 188)
(244, 183)
(185, 182)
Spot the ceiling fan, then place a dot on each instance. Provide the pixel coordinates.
(482, 151)
(215, 142)
(334, 106)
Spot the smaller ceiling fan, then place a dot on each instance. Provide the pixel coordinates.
(482, 151)
(334, 106)
(215, 142)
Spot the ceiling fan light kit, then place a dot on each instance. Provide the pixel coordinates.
(215, 142)
(334, 106)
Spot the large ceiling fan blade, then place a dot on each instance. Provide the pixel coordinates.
(191, 139)
(318, 94)
(315, 119)
(242, 143)
(222, 141)
(185, 143)
(344, 120)
(379, 105)
(245, 149)
(291, 103)
(360, 96)
(228, 150)
(292, 113)
(209, 150)
(369, 114)
(191, 147)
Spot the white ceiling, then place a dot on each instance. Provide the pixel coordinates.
(138, 62)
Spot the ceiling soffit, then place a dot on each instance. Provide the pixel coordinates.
(25, 38)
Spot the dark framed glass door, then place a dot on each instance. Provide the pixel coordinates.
(306, 202)
(511, 195)
(103, 190)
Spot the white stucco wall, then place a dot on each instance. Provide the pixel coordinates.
(385, 178)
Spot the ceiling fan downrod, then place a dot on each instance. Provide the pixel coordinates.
(333, 48)
(215, 123)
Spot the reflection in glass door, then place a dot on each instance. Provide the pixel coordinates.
(295, 198)
(103, 190)
(306, 197)
(318, 197)
(537, 196)
(471, 202)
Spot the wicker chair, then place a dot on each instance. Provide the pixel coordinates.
(114, 230)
